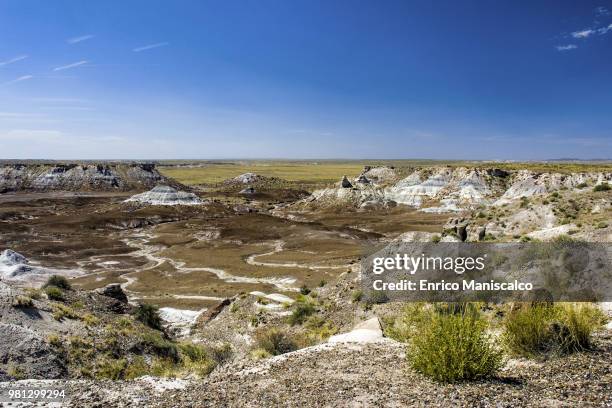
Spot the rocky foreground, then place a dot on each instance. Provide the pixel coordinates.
(362, 374)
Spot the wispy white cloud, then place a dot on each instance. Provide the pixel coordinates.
(12, 60)
(566, 47)
(583, 33)
(81, 38)
(17, 115)
(73, 65)
(601, 11)
(33, 135)
(604, 30)
(21, 78)
(150, 46)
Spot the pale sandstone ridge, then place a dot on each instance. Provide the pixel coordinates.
(165, 195)
(446, 189)
(79, 177)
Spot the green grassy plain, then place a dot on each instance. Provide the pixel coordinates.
(329, 171)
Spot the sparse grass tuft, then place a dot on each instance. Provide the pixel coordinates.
(602, 187)
(23, 302)
(540, 329)
(54, 293)
(274, 341)
(59, 282)
(357, 295)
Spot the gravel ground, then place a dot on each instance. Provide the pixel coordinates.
(367, 375)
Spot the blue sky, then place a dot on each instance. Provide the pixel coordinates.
(305, 79)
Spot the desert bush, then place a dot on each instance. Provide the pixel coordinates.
(196, 359)
(24, 302)
(274, 341)
(260, 354)
(54, 340)
(319, 329)
(436, 238)
(35, 294)
(357, 295)
(137, 367)
(111, 369)
(538, 329)
(304, 290)
(54, 293)
(301, 312)
(164, 348)
(404, 326)
(59, 282)
(602, 225)
(149, 315)
(582, 185)
(61, 311)
(453, 347)
(602, 187)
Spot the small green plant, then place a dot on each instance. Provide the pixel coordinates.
(453, 347)
(149, 315)
(61, 312)
(164, 348)
(54, 293)
(582, 185)
(23, 302)
(602, 225)
(602, 187)
(274, 341)
(16, 371)
(59, 282)
(322, 283)
(436, 238)
(542, 328)
(111, 369)
(260, 354)
(301, 312)
(90, 320)
(357, 295)
(304, 290)
(54, 340)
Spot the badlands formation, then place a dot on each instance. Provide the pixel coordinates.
(233, 263)
(165, 195)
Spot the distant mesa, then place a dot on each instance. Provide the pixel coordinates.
(85, 176)
(251, 179)
(165, 195)
(246, 178)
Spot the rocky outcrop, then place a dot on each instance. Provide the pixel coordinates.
(246, 178)
(248, 191)
(17, 268)
(165, 195)
(377, 175)
(447, 189)
(78, 177)
(114, 291)
(345, 183)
